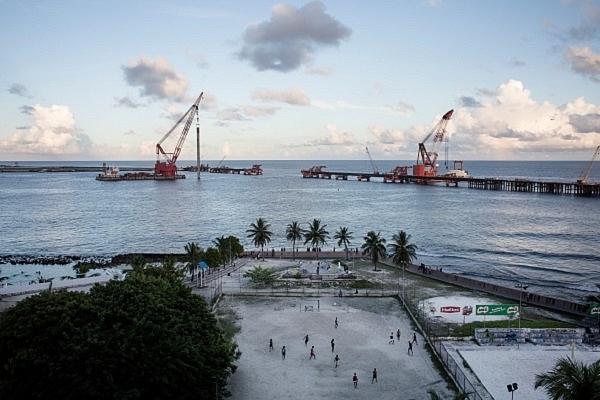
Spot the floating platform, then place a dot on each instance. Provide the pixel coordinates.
(137, 176)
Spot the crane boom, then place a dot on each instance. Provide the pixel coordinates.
(583, 177)
(375, 170)
(429, 157)
(169, 168)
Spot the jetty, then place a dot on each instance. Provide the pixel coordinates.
(400, 175)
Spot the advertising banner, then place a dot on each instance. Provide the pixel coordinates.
(496, 309)
(594, 310)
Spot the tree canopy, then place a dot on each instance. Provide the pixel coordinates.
(146, 337)
(570, 380)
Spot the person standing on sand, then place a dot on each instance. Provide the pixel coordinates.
(283, 353)
(306, 340)
(270, 345)
(355, 380)
(374, 379)
(409, 351)
(312, 353)
(336, 323)
(398, 335)
(332, 345)
(391, 338)
(336, 359)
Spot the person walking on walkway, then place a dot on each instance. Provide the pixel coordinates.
(391, 338)
(355, 380)
(332, 345)
(336, 323)
(409, 351)
(414, 338)
(270, 345)
(336, 359)
(306, 340)
(283, 353)
(374, 379)
(398, 335)
(312, 353)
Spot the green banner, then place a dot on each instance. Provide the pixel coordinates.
(594, 310)
(496, 309)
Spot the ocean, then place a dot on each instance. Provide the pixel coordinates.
(549, 242)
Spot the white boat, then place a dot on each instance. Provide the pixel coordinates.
(456, 173)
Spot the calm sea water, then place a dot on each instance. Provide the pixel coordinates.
(551, 242)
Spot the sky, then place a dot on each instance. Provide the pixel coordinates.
(299, 80)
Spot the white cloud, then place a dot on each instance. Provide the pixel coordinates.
(54, 132)
(293, 96)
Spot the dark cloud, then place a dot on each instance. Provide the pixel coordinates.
(127, 102)
(584, 62)
(156, 79)
(468, 101)
(27, 110)
(585, 123)
(291, 37)
(590, 26)
(18, 89)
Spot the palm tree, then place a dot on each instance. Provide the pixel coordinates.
(570, 380)
(344, 237)
(374, 246)
(193, 254)
(316, 235)
(294, 232)
(260, 233)
(223, 246)
(404, 252)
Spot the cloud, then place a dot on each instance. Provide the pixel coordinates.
(291, 37)
(510, 122)
(156, 79)
(403, 108)
(294, 96)
(590, 26)
(468, 101)
(127, 101)
(255, 111)
(53, 132)
(584, 62)
(585, 123)
(333, 138)
(231, 114)
(18, 89)
(319, 71)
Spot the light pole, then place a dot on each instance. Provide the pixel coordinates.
(521, 288)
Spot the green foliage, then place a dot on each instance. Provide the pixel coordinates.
(228, 247)
(261, 275)
(293, 233)
(374, 246)
(81, 268)
(145, 337)
(212, 257)
(570, 380)
(404, 252)
(260, 233)
(344, 236)
(316, 234)
(362, 284)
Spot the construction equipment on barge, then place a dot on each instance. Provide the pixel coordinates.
(163, 170)
(583, 178)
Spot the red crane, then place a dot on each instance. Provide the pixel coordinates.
(428, 165)
(168, 168)
(583, 178)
